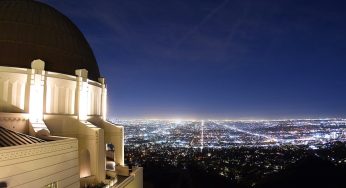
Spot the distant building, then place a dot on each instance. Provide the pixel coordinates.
(53, 105)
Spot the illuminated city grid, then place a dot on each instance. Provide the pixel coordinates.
(223, 133)
(241, 151)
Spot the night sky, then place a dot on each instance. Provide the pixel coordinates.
(217, 59)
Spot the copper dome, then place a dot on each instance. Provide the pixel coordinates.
(32, 30)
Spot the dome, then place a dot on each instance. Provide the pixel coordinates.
(32, 30)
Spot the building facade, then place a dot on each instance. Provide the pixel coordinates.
(51, 89)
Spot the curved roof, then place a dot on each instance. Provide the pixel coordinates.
(32, 30)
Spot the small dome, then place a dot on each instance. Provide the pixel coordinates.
(32, 30)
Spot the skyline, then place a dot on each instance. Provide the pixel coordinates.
(181, 120)
(217, 59)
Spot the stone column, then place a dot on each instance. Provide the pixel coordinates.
(36, 99)
(37, 81)
(103, 99)
(82, 94)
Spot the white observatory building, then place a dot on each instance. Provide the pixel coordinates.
(53, 106)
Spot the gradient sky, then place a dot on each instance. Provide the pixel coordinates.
(217, 58)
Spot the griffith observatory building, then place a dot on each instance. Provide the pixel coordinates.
(53, 106)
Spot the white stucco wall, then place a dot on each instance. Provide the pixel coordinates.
(13, 88)
(60, 96)
(37, 165)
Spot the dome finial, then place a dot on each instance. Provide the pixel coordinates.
(37, 64)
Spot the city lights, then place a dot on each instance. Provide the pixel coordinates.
(218, 133)
(237, 150)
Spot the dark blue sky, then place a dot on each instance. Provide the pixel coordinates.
(216, 58)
